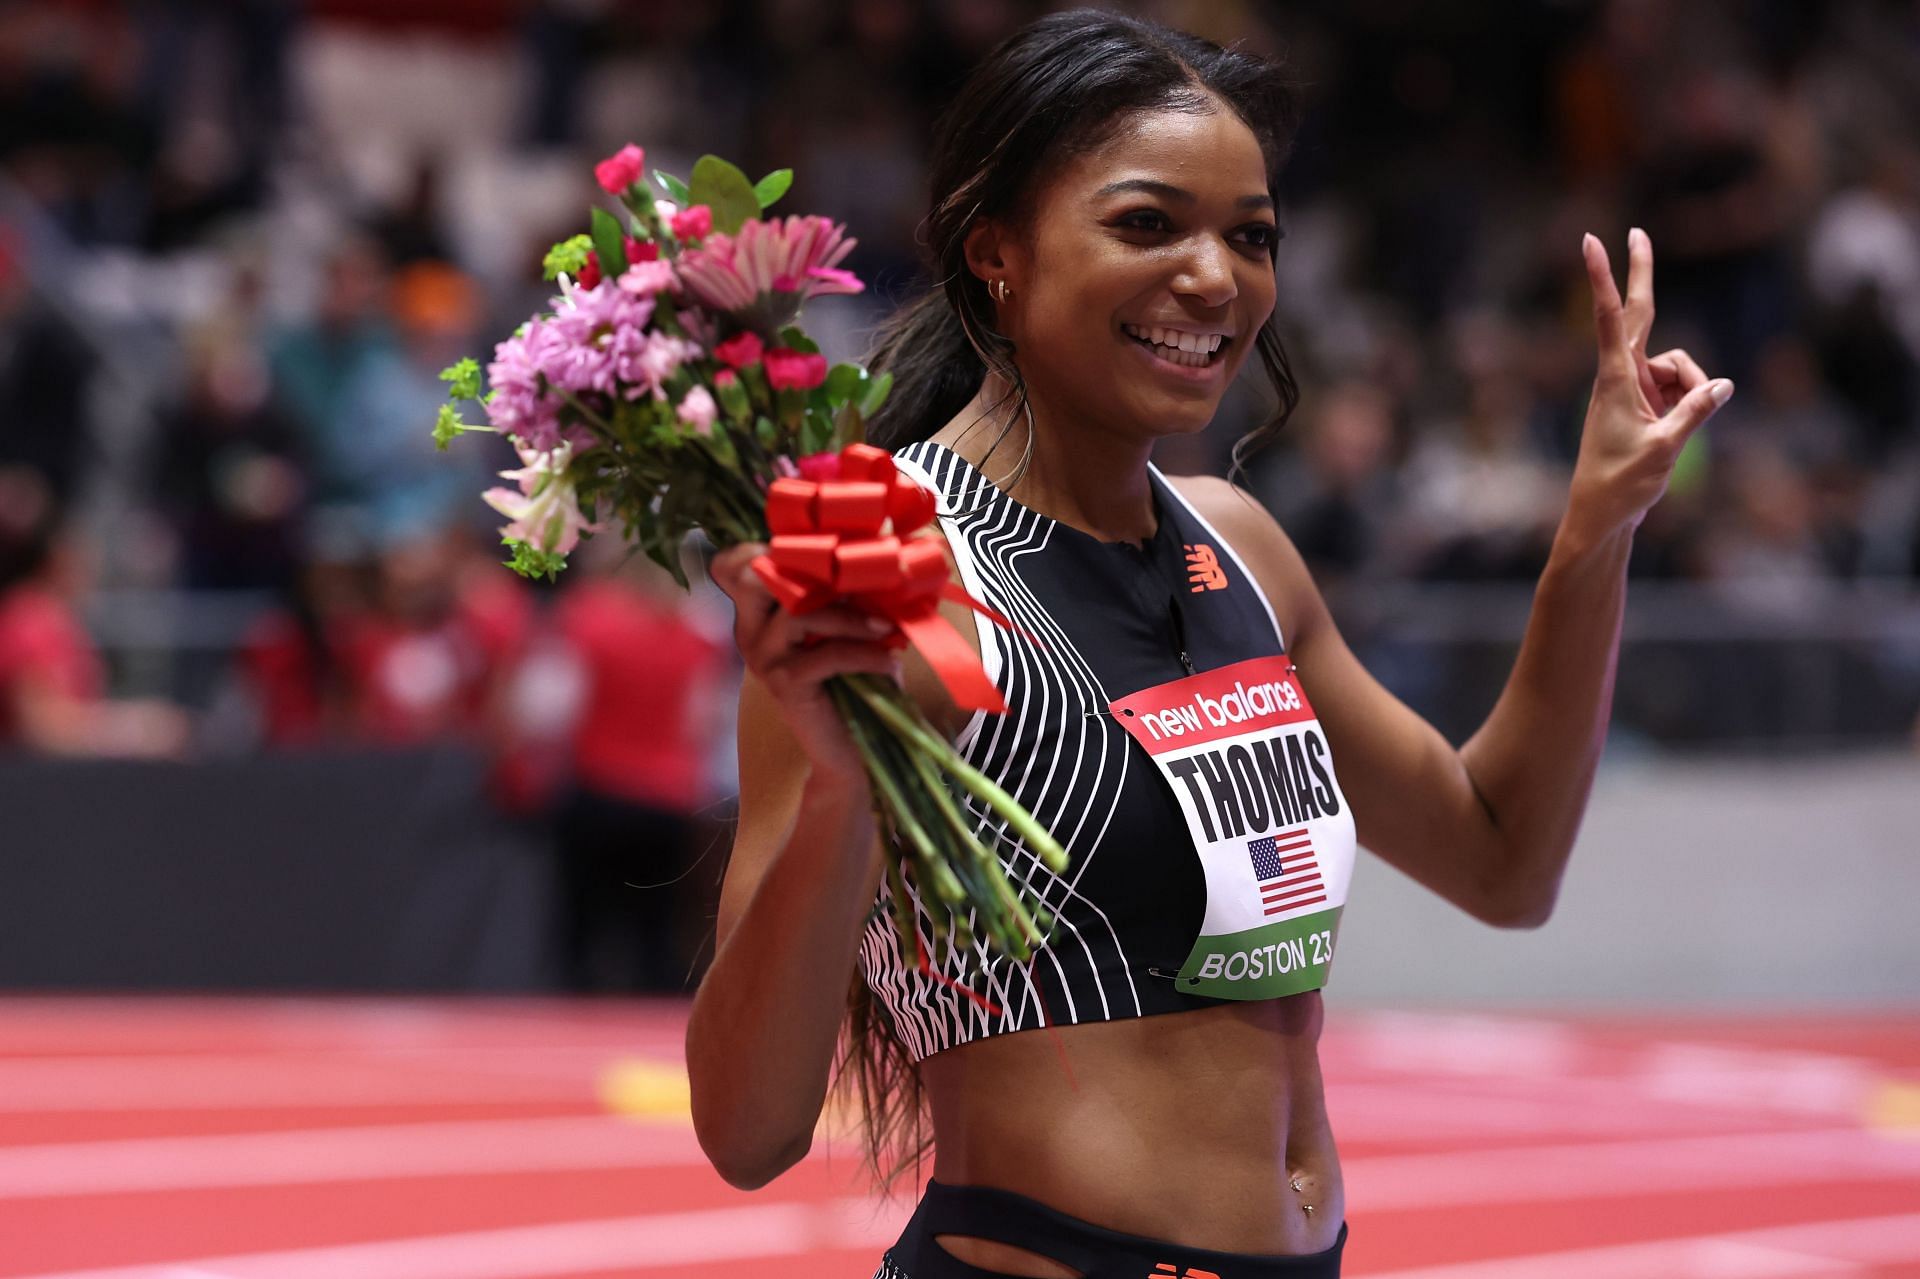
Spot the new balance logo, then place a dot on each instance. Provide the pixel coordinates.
(1166, 1268)
(1203, 569)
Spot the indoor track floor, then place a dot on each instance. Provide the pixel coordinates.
(359, 1138)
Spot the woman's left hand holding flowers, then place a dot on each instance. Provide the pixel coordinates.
(1643, 410)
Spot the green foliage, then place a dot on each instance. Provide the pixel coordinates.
(725, 190)
(675, 188)
(875, 394)
(816, 434)
(844, 381)
(607, 242)
(794, 340)
(463, 379)
(530, 561)
(770, 188)
(448, 426)
(569, 256)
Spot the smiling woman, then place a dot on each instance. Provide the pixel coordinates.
(1103, 232)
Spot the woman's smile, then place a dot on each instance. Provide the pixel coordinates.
(1182, 353)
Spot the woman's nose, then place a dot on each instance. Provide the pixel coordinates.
(1209, 274)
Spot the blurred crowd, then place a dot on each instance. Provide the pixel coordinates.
(239, 238)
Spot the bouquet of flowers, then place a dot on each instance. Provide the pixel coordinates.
(669, 388)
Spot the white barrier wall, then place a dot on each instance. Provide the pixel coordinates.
(1728, 882)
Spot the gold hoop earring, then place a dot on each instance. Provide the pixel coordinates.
(1000, 291)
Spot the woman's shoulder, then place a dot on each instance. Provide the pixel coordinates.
(1256, 537)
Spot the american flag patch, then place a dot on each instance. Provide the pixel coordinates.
(1287, 871)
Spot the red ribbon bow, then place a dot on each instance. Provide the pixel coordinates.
(828, 546)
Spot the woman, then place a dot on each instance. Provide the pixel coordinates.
(1103, 216)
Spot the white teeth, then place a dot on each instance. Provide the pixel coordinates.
(1177, 339)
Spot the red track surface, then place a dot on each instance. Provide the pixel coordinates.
(457, 1139)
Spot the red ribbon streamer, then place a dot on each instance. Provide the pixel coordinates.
(828, 547)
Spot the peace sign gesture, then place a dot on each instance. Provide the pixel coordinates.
(1643, 409)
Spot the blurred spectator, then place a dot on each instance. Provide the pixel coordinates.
(1333, 494)
(52, 681)
(45, 370)
(649, 704)
(229, 474)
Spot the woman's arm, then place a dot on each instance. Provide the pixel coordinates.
(803, 874)
(1490, 826)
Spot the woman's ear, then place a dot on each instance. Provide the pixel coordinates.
(990, 252)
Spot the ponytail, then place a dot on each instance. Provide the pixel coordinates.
(935, 370)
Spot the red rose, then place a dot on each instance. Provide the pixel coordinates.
(621, 169)
(589, 271)
(693, 224)
(794, 370)
(739, 350)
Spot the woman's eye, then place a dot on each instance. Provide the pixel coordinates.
(1145, 220)
(1263, 235)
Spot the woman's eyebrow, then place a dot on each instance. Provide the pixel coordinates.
(1168, 191)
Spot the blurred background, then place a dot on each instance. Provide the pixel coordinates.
(274, 719)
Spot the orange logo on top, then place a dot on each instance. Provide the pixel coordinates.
(1165, 1268)
(1203, 569)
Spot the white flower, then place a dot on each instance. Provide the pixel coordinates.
(546, 509)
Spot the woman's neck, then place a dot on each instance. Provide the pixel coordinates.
(1076, 474)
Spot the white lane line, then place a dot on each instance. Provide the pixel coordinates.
(1509, 1174)
(1819, 1248)
(227, 1081)
(525, 1252)
(1600, 1169)
(344, 1154)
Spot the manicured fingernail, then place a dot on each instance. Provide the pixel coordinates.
(1637, 236)
(1721, 390)
(1585, 240)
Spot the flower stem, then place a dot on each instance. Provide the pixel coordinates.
(1036, 837)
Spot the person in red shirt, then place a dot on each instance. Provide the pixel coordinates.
(650, 709)
(52, 681)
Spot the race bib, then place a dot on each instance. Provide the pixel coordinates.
(1251, 769)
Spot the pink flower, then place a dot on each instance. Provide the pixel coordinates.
(739, 350)
(621, 169)
(545, 511)
(725, 377)
(644, 279)
(693, 224)
(652, 360)
(640, 250)
(697, 410)
(774, 265)
(794, 370)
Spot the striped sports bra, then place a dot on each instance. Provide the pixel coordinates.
(1156, 726)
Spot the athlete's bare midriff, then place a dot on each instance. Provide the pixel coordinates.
(1189, 1127)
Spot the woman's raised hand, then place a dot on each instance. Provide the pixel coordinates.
(1644, 409)
(793, 656)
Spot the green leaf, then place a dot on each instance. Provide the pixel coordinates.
(463, 379)
(675, 188)
(608, 244)
(875, 394)
(767, 434)
(725, 190)
(772, 187)
(852, 428)
(530, 561)
(569, 256)
(816, 434)
(844, 381)
(793, 339)
(448, 426)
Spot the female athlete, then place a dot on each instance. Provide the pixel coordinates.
(1144, 1097)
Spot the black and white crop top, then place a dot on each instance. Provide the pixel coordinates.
(1156, 726)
